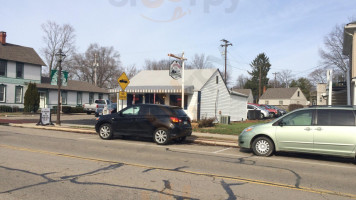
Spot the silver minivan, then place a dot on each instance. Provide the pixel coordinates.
(328, 130)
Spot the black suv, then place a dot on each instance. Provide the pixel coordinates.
(162, 123)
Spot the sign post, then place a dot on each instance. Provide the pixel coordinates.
(175, 66)
(123, 81)
(45, 117)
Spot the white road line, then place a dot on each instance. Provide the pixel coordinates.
(222, 150)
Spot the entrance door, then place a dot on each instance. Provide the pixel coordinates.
(42, 99)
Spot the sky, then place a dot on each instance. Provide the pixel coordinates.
(289, 32)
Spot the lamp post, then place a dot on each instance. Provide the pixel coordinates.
(60, 55)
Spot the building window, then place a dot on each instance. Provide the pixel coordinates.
(2, 93)
(18, 94)
(217, 79)
(19, 70)
(298, 93)
(101, 95)
(280, 102)
(91, 98)
(176, 100)
(3, 67)
(64, 97)
(79, 98)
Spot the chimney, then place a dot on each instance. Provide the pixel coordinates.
(3, 37)
(264, 89)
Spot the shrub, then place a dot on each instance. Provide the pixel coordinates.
(32, 98)
(66, 109)
(206, 122)
(4, 108)
(292, 107)
(78, 109)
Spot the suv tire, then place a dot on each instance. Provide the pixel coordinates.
(161, 136)
(105, 131)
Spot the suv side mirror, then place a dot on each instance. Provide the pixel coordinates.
(281, 123)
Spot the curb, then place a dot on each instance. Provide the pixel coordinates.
(194, 139)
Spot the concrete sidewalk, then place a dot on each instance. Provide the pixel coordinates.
(196, 137)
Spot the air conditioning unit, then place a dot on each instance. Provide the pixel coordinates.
(224, 119)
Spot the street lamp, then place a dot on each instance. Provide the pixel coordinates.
(60, 56)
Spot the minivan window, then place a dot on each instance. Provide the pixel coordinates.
(299, 118)
(100, 101)
(336, 118)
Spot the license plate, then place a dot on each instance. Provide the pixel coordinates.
(185, 122)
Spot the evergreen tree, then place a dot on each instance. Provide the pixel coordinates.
(32, 98)
(260, 63)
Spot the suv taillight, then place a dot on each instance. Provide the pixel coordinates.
(175, 119)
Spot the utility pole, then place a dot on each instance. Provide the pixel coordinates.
(60, 56)
(227, 43)
(95, 66)
(275, 80)
(259, 85)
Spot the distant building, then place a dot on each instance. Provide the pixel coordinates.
(283, 97)
(205, 93)
(349, 49)
(247, 92)
(21, 65)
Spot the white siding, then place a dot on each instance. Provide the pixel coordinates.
(238, 109)
(192, 106)
(32, 72)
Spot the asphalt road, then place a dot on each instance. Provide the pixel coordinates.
(42, 164)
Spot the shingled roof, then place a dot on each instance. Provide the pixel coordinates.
(72, 85)
(279, 93)
(246, 92)
(19, 53)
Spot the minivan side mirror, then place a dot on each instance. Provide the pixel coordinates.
(281, 123)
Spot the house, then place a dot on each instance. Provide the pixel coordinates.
(283, 97)
(205, 93)
(21, 65)
(76, 93)
(247, 92)
(349, 49)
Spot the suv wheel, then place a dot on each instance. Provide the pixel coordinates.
(262, 146)
(105, 131)
(161, 136)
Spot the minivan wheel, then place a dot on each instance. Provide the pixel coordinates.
(262, 146)
(105, 132)
(161, 136)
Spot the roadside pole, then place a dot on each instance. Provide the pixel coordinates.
(123, 82)
(183, 60)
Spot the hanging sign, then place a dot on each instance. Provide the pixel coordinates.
(175, 70)
(54, 77)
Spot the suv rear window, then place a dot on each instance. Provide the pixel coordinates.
(179, 112)
(100, 101)
(336, 118)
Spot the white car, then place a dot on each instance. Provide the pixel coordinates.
(264, 112)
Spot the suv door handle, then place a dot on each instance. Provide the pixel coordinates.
(307, 129)
(319, 129)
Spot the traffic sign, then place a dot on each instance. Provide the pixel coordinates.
(123, 81)
(122, 95)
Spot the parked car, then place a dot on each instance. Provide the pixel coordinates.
(97, 107)
(326, 130)
(272, 111)
(280, 110)
(264, 113)
(162, 123)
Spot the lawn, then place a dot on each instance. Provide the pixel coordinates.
(229, 129)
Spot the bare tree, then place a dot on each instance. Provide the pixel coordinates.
(332, 56)
(131, 71)
(57, 37)
(157, 65)
(108, 71)
(241, 81)
(285, 77)
(318, 76)
(200, 62)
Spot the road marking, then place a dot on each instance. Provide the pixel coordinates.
(222, 150)
(254, 181)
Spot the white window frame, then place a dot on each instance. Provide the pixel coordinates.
(19, 97)
(3, 93)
